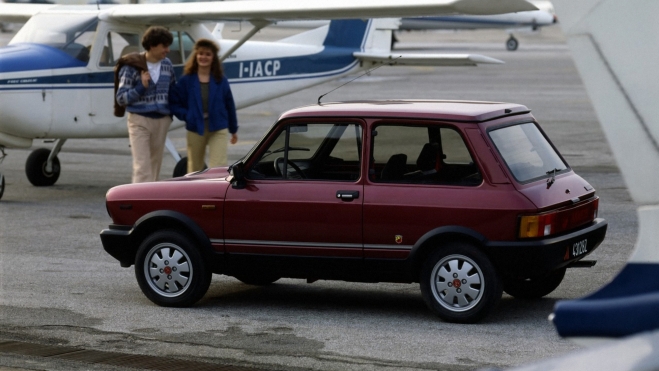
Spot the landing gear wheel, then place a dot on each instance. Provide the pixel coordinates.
(2, 185)
(459, 283)
(257, 279)
(533, 288)
(512, 44)
(35, 168)
(170, 270)
(181, 167)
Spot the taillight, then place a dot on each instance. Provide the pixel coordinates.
(553, 222)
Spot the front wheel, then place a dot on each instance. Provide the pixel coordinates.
(459, 283)
(533, 288)
(36, 170)
(170, 270)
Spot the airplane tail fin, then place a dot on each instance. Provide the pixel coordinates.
(361, 35)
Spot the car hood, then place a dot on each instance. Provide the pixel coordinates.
(205, 185)
(565, 188)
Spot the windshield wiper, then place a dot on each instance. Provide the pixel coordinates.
(553, 177)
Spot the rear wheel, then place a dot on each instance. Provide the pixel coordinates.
(459, 283)
(170, 270)
(533, 288)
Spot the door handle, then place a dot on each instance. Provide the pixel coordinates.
(347, 195)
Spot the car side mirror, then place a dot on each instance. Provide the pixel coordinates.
(238, 175)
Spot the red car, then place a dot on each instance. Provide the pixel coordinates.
(467, 198)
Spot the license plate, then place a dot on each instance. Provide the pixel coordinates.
(579, 248)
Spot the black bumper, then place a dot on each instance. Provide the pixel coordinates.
(526, 259)
(117, 242)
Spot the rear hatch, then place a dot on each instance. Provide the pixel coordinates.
(565, 201)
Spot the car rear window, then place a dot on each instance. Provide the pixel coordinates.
(527, 152)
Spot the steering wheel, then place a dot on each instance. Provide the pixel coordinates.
(279, 168)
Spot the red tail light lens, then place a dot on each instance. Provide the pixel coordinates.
(558, 221)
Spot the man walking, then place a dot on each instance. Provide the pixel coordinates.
(144, 92)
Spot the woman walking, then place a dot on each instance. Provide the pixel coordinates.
(202, 98)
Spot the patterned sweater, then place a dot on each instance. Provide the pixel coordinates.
(152, 101)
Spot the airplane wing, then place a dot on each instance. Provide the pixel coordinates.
(276, 10)
(426, 59)
(20, 13)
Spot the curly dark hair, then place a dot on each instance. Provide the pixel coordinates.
(156, 35)
(191, 65)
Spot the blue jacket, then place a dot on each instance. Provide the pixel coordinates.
(185, 103)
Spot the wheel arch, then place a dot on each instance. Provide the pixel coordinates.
(439, 236)
(169, 219)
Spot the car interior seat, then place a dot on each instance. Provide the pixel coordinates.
(428, 163)
(395, 167)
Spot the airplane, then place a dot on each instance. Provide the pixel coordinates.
(621, 80)
(511, 22)
(65, 54)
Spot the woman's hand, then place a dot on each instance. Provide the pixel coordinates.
(234, 138)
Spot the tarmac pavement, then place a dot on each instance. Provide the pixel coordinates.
(59, 289)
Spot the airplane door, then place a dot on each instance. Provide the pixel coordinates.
(113, 45)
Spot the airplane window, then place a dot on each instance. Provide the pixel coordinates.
(117, 45)
(72, 34)
(181, 48)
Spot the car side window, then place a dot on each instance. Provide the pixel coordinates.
(421, 155)
(314, 151)
(116, 45)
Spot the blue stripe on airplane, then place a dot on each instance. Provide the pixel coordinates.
(30, 57)
(329, 62)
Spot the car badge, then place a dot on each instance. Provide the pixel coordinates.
(399, 238)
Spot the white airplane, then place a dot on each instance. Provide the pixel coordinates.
(56, 74)
(511, 22)
(614, 46)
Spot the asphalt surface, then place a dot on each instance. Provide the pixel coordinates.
(59, 288)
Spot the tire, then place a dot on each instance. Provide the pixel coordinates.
(170, 270)
(35, 168)
(534, 288)
(2, 185)
(512, 44)
(181, 167)
(258, 279)
(459, 283)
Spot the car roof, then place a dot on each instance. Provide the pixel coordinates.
(451, 110)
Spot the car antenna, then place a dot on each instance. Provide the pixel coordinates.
(365, 73)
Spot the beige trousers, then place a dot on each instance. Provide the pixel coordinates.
(217, 142)
(147, 142)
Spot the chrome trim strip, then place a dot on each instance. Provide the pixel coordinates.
(389, 247)
(291, 243)
(312, 244)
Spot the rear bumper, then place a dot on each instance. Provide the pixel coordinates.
(117, 242)
(526, 259)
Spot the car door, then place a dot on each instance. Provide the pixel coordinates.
(301, 208)
(422, 177)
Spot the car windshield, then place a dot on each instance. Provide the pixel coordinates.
(68, 32)
(528, 154)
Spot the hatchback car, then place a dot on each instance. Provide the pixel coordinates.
(468, 199)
